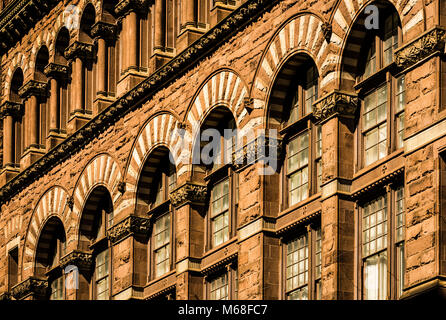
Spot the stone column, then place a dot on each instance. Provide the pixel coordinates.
(189, 28)
(160, 54)
(105, 35)
(189, 202)
(9, 111)
(131, 76)
(78, 53)
(32, 92)
(128, 239)
(56, 73)
(335, 112)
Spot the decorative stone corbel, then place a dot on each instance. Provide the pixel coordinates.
(33, 88)
(79, 49)
(58, 71)
(31, 286)
(125, 6)
(9, 108)
(82, 260)
(335, 103)
(131, 225)
(104, 30)
(188, 193)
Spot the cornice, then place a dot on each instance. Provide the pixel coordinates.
(54, 70)
(82, 260)
(9, 108)
(389, 178)
(430, 42)
(188, 193)
(131, 225)
(220, 264)
(335, 103)
(178, 66)
(79, 49)
(18, 18)
(33, 88)
(32, 285)
(304, 220)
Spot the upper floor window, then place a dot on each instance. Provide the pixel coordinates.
(161, 245)
(305, 92)
(224, 284)
(383, 222)
(303, 265)
(383, 94)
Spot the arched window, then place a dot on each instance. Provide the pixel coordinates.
(379, 133)
(50, 248)
(382, 91)
(212, 156)
(63, 83)
(97, 217)
(157, 180)
(42, 60)
(88, 82)
(291, 105)
(17, 122)
(290, 109)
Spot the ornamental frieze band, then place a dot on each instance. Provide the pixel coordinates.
(429, 43)
(337, 102)
(188, 193)
(31, 286)
(131, 225)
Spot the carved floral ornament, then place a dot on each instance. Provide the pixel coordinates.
(32, 285)
(335, 103)
(104, 30)
(125, 6)
(430, 42)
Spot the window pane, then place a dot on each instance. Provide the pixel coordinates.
(297, 263)
(399, 214)
(375, 277)
(219, 288)
(374, 226)
(370, 65)
(57, 288)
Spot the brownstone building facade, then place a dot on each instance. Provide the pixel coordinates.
(102, 103)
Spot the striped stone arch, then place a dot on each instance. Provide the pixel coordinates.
(52, 203)
(160, 129)
(102, 170)
(43, 39)
(223, 87)
(349, 14)
(18, 61)
(302, 33)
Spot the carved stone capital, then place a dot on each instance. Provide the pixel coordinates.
(188, 193)
(104, 30)
(9, 108)
(262, 147)
(79, 49)
(33, 88)
(125, 6)
(58, 71)
(335, 103)
(82, 260)
(31, 286)
(131, 225)
(430, 42)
